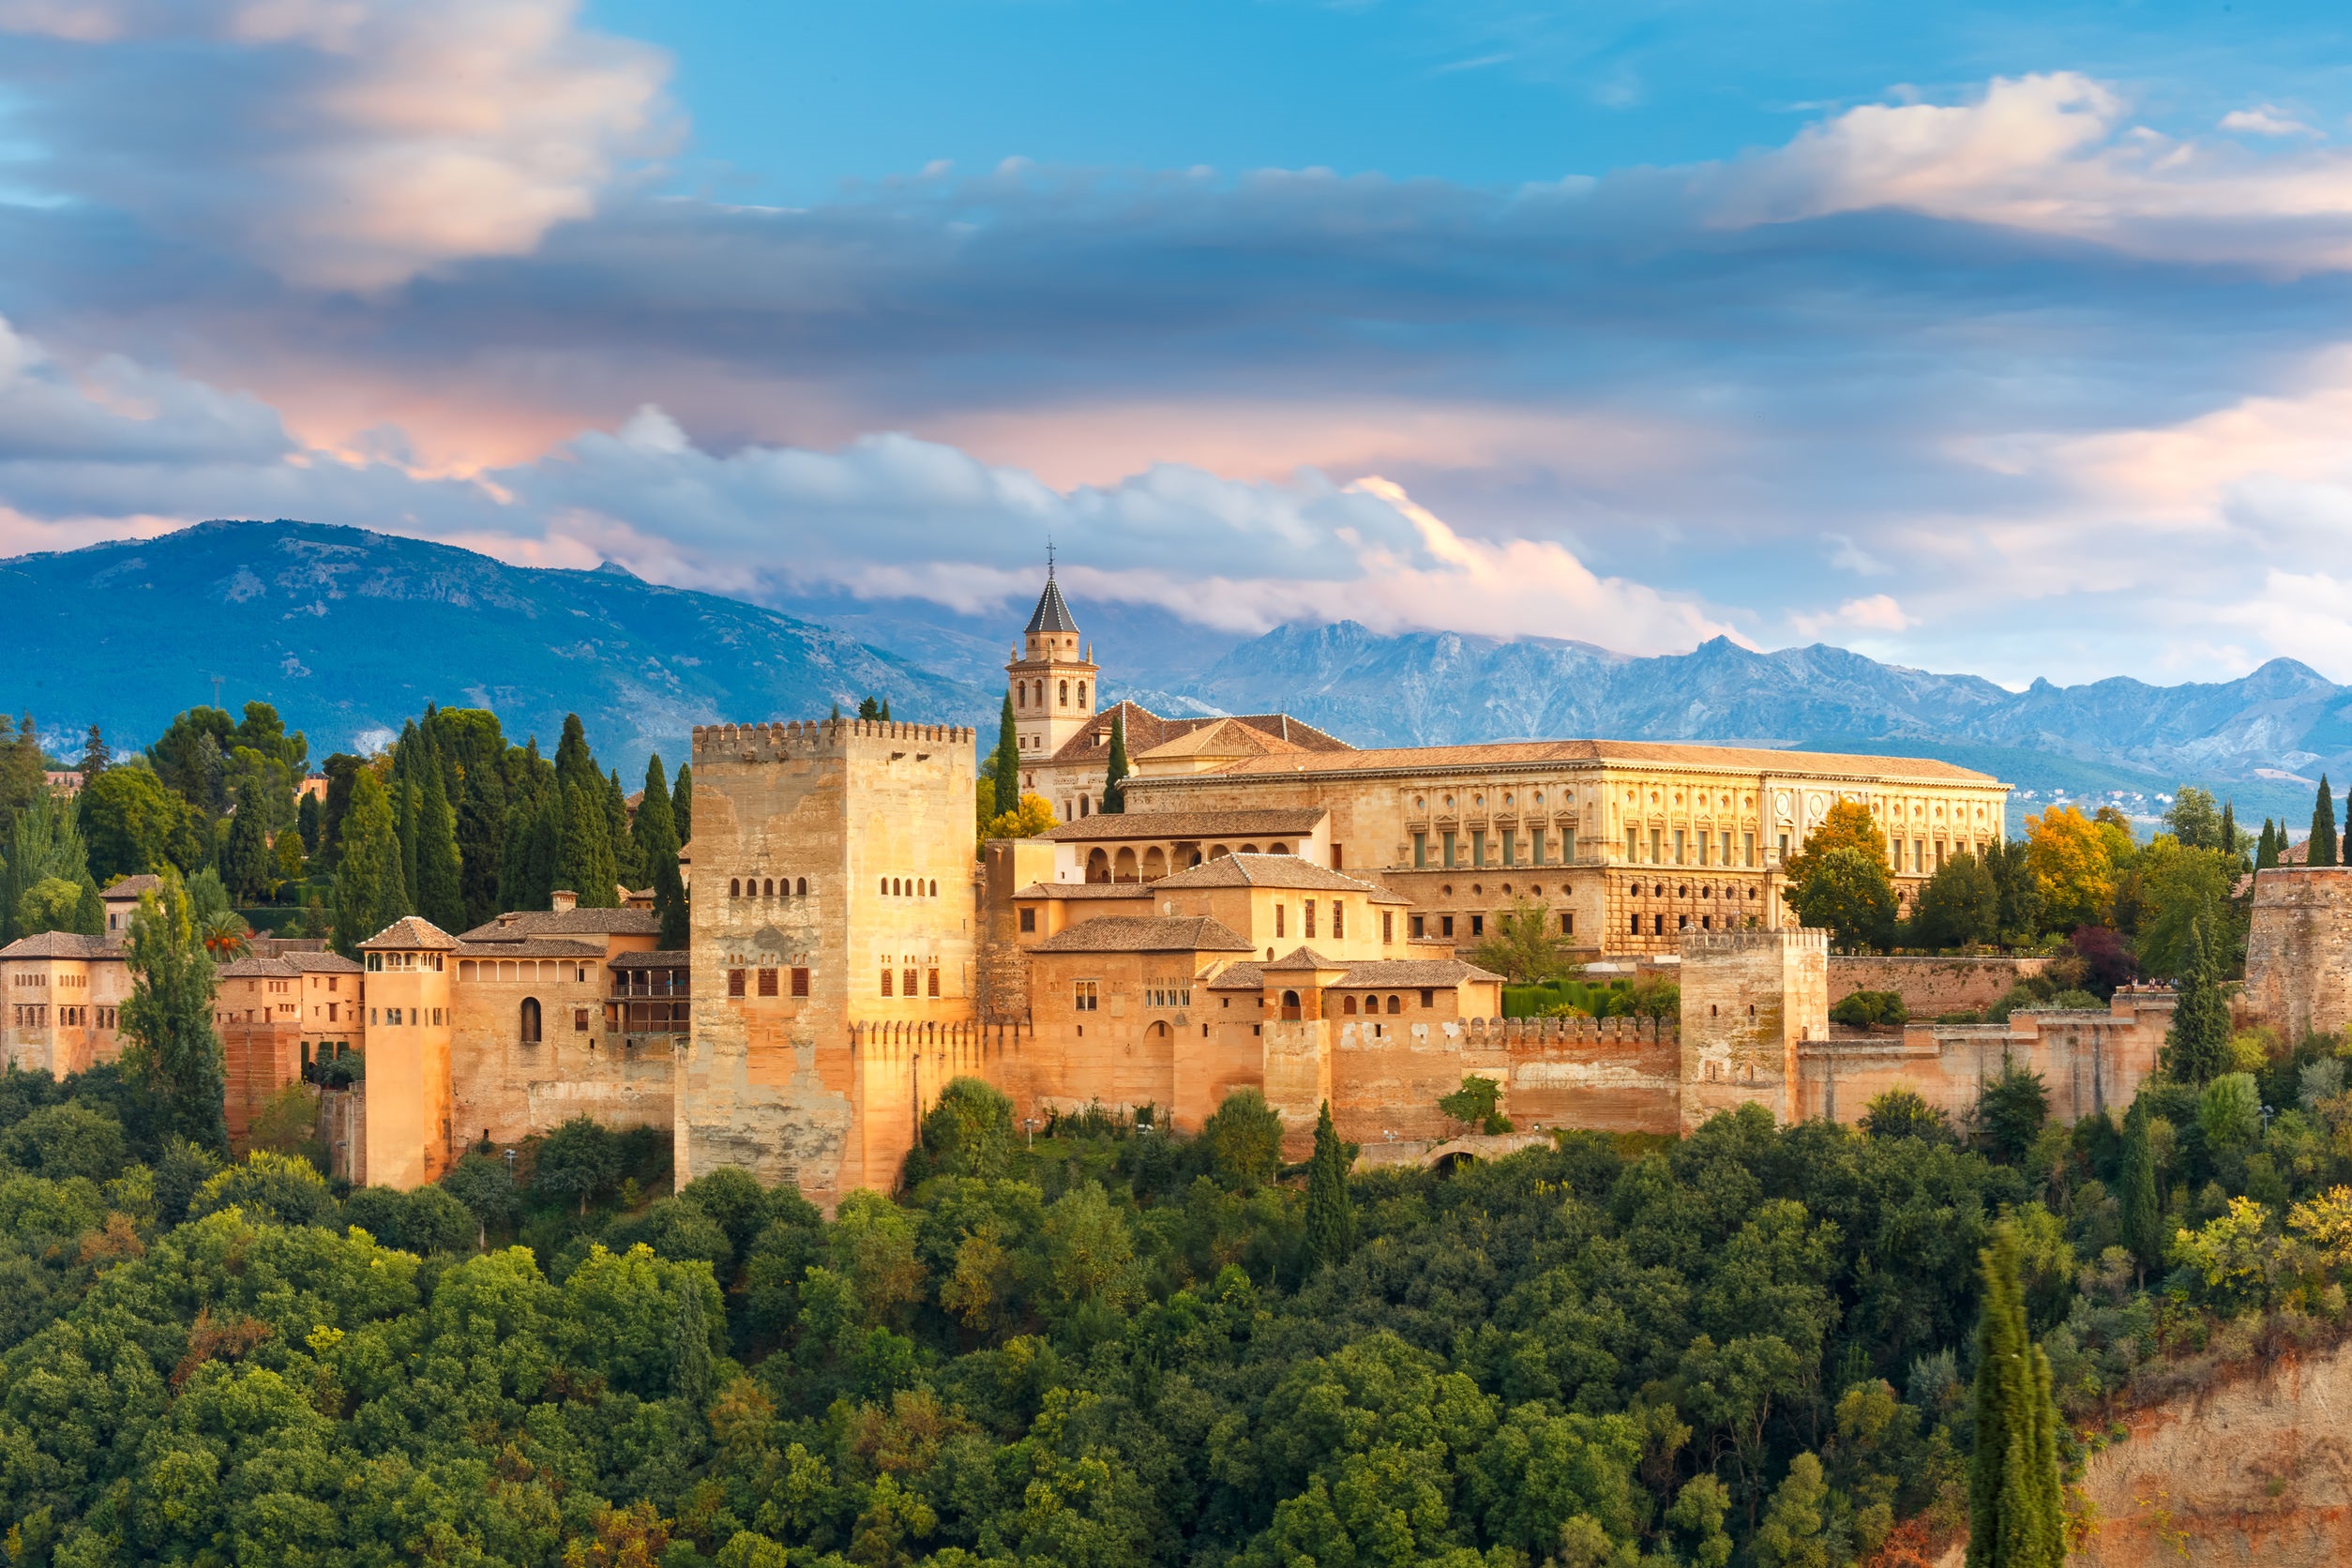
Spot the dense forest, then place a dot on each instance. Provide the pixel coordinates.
(1113, 1346)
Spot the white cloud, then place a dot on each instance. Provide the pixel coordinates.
(1877, 612)
(342, 143)
(2266, 120)
(2055, 154)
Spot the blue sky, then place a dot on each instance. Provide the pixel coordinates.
(2014, 341)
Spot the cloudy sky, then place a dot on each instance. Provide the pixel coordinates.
(2008, 340)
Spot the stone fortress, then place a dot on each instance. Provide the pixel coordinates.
(1275, 910)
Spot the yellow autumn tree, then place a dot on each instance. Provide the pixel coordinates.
(2072, 865)
(1849, 825)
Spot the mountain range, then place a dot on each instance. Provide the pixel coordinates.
(349, 632)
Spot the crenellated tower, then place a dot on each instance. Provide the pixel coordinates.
(1052, 684)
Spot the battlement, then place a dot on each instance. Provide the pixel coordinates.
(774, 742)
(1786, 939)
(915, 1034)
(1508, 1032)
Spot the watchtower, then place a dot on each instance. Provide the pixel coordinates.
(1748, 999)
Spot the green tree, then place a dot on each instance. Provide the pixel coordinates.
(682, 803)
(2142, 1218)
(2232, 842)
(1521, 948)
(2267, 851)
(439, 876)
(308, 822)
(1331, 1221)
(1904, 1113)
(2181, 888)
(286, 862)
(1244, 1137)
(2011, 860)
(1008, 759)
(1960, 905)
(1115, 776)
(2322, 843)
(1847, 892)
(1477, 1104)
(245, 859)
(584, 864)
(169, 1046)
(2015, 1519)
(628, 865)
(656, 832)
(2011, 1110)
(50, 904)
(2193, 819)
(2196, 1047)
(1795, 1533)
(96, 755)
(368, 850)
(128, 820)
(968, 1133)
(577, 1161)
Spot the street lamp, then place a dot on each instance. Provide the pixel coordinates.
(1030, 1123)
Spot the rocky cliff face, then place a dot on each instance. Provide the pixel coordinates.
(2255, 1472)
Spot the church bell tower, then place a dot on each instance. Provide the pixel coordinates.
(1052, 685)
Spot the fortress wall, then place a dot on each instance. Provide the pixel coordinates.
(2298, 949)
(1748, 999)
(1932, 986)
(506, 1090)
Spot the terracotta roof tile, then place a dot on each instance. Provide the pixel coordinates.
(254, 968)
(1306, 958)
(533, 947)
(658, 959)
(1294, 821)
(1147, 731)
(519, 924)
(1087, 890)
(131, 888)
(1240, 977)
(1404, 973)
(319, 963)
(1500, 754)
(1119, 933)
(61, 944)
(411, 932)
(1273, 871)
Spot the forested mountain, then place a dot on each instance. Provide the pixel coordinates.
(350, 633)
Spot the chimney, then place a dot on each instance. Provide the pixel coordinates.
(563, 901)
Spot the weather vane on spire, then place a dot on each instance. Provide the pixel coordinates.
(1049, 557)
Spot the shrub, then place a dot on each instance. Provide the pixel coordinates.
(1902, 1113)
(1863, 1009)
(1479, 1102)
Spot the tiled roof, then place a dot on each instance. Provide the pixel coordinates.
(1304, 957)
(252, 968)
(319, 963)
(1147, 731)
(131, 888)
(1286, 872)
(1224, 737)
(517, 924)
(658, 959)
(1051, 614)
(1087, 890)
(1501, 754)
(409, 933)
(1119, 933)
(60, 944)
(1405, 973)
(1295, 821)
(531, 947)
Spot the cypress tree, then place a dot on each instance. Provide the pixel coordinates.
(543, 854)
(2229, 827)
(2142, 1216)
(682, 803)
(396, 886)
(629, 867)
(245, 864)
(482, 832)
(407, 805)
(367, 832)
(1008, 761)
(2015, 1519)
(584, 861)
(171, 1048)
(573, 763)
(96, 756)
(2196, 1047)
(657, 843)
(2323, 828)
(440, 884)
(691, 1369)
(1114, 776)
(1331, 1221)
(2266, 851)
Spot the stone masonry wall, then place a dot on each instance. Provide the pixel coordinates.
(2298, 949)
(1748, 998)
(1929, 986)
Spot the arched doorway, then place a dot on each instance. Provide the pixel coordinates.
(530, 1020)
(1097, 866)
(1155, 864)
(1289, 1006)
(1124, 870)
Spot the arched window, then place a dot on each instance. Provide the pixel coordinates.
(1081, 694)
(1348, 1005)
(1066, 694)
(802, 885)
(530, 1020)
(771, 889)
(1277, 849)
(1020, 694)
(885, 887)
(1396, 1004)
(935, 888)
(735, 887)
(1097, 866)
(1291, 1007)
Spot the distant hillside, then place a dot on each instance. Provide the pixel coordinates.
(2260, 739)
(349, 632)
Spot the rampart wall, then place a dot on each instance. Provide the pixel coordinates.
(1929, 986)
(2298, 949)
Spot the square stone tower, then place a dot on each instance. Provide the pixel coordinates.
(1748, 999)
(2298, 949)
(833, 884)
